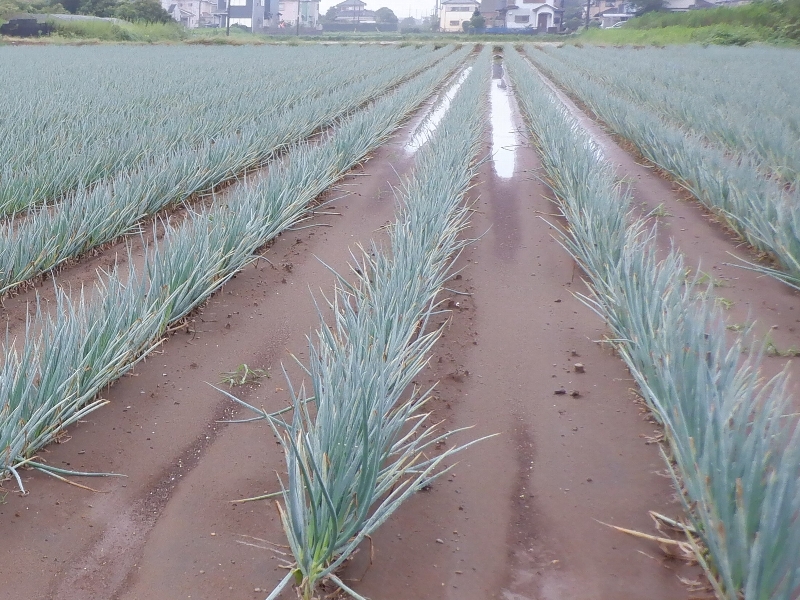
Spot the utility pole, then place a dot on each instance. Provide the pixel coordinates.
(588, 6)
(228, 18)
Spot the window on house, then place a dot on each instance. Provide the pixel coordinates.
(460, 9)
(522, 18)
(455, 23)
(238, 3)
(246, 22)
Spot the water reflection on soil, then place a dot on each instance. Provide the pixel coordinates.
(429, 124)
(504, 135)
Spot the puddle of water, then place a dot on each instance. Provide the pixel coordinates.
(504, 134)
(497, 70)
(429, 124)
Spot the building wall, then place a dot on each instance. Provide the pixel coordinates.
(309, 13)
(249, 13)
(288, 12)
(453, 15)
(678, 5)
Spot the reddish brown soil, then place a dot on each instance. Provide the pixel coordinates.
(517, 517)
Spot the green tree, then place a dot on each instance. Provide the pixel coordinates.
(98, 8)
(477, 22)
(408, 23)
(646, 6)
(72, 6)
(385, 15)
(149, 11)
(10, 8)
(330, 15)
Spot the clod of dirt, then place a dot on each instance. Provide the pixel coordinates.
(579, 368)
(560, 392)
(575, 394)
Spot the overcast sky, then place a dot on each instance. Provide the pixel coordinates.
(418, 8)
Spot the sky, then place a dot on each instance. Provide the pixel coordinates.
(401, 8)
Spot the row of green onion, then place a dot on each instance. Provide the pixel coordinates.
(358, 444)
(733, 444)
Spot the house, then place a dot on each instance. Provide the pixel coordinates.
(184, 16)
(454, 13)
(611, 12)
(196, 13)
(533, 14)
(307, 10)
(354, 11)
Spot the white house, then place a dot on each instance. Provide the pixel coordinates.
(454, 13)
(194, 13)
(533, 14)
(354, 11)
